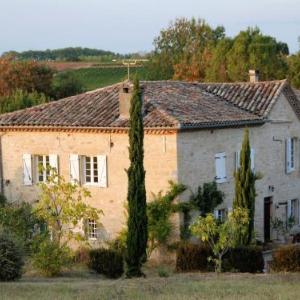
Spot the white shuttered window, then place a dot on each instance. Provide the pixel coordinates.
(220, 165)
(237, 160)
(95, 170)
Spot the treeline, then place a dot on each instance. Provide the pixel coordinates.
(192, 50)
(64, 54)
(27, 83)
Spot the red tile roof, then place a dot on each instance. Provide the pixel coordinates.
(167, 104)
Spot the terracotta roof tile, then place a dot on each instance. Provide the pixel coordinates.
(166, 104)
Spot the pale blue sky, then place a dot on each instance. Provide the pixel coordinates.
(130, 25)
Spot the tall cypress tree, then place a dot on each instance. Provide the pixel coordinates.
(136, 197)
(245, 187)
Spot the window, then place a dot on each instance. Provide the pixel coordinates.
(252, 157)
(42, 167)
(290, 154)
(293, 210)
(91, 170)
(221, 214)
(220, 164)
(92, 229)
(94, 170)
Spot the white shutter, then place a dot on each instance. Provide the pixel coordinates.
(288, 155)
(102, 170)
(216, 214)
(27, 169)
(220, 167)
(252, 156)
(53, 161)
(237, 160)
(74, 168)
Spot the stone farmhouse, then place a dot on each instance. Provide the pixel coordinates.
(193, 134)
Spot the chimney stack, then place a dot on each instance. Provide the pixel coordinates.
(254, 76)
(125, 95)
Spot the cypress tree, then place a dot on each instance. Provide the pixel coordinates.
(136, 196)
(245, 187)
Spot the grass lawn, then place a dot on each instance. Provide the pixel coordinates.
(93, 78)
(176, 286)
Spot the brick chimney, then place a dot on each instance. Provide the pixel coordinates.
(125, 95)
(254, 76)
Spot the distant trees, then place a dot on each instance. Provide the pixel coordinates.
(65, 85)
(20, 99)
(64, 54)
(194, 51)
(28, 76)
(294, 70)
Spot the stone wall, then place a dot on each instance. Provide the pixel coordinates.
(160, 165)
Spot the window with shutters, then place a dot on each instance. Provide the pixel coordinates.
(290, 154)
(42, 168)
(221, 214)
(94, 170)
(220, 165)
(238, 163)
(92, 229)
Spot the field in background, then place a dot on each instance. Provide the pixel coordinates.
(97, 77)
(177, 286)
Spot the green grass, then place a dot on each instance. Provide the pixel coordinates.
(93, 78)
(177, 286)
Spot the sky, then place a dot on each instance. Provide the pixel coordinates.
(126, 26)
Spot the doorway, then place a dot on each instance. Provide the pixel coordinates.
(267, 218)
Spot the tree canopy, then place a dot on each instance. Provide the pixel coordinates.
(192, 50)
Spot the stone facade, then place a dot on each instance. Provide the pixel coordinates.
(196, 161)
(186, 156)
(160, 165)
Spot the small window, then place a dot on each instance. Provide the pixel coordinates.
(221, 214)
(92, 229)
(42, 168)
(91, 170)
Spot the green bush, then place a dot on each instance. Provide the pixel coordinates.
(11, 259)
(244, 259)
(193, 257)
(107, 262)
(51, 258)
(286, 259)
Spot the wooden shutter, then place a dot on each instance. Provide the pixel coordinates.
(252, 156)
(288, 155)
(27, 169)
(102, 170)
(220, 167)
(74, 168)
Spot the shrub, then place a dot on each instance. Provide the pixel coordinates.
(286, 259)
(244, 259)
(11, 259)
(107, 262)
(163, 272)
(51, 258)
(82, 255)
(193, 257)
